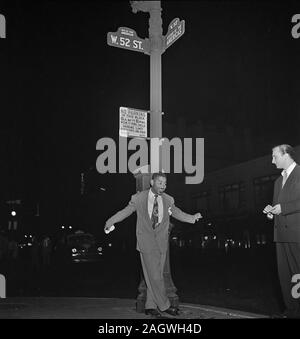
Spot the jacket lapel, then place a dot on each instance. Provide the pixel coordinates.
(165, 205)
(145, 206)
(290, 179)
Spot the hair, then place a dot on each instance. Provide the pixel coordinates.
(286, 149)
(158, 174)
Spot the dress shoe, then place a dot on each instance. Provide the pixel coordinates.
(277, 316)
(152, 311)
(291, 314)
(286, 315)
(172, 311)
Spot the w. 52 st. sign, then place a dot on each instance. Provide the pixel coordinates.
(128, 39)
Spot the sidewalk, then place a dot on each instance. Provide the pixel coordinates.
(103, 308)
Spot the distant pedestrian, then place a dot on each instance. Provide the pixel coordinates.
(3, 250)
(13, 251)
(35, 254)
(46, 251)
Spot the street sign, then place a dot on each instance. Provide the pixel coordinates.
(133, 122)
(175, 31)
(128, 39)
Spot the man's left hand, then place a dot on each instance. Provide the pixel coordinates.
(197, 216)
(276, 209)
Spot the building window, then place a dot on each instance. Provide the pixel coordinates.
(232, 197)
(263, 190)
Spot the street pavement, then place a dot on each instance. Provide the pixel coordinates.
(103, 308)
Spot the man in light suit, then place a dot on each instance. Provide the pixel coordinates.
(153, 208)
(286, 210)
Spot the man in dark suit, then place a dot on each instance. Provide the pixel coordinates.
(153, 208)
(286, 210)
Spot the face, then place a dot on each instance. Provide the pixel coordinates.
(278, 158)
(159, 185)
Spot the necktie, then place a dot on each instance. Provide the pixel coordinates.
(284, 175)
(154, 216)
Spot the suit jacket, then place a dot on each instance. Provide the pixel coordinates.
(147, 238)
(287, 223)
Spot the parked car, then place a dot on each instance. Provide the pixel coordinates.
(83, 247)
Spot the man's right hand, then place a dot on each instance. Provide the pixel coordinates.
(107, 227)
(267, 209)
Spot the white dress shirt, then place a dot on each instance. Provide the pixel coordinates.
(151, 198)
(289, 170)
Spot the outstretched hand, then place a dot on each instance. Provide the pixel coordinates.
(108, 228)
(197, 216)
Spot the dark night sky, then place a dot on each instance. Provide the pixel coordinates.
(62, 85)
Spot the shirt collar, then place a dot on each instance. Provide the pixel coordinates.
(289, 169)
(152, 195)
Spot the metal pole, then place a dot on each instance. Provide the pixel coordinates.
(156, 48)
(143, 180)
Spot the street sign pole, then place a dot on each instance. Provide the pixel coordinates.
(154, 46)
(143, 180)
(156, 49)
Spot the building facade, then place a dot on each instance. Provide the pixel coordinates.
(231, 201)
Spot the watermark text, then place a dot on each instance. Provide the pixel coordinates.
(2, 286)
(2, 26)
(296, 28)
(188, 156)
(296, 288)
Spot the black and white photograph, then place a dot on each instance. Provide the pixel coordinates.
(150, 162)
